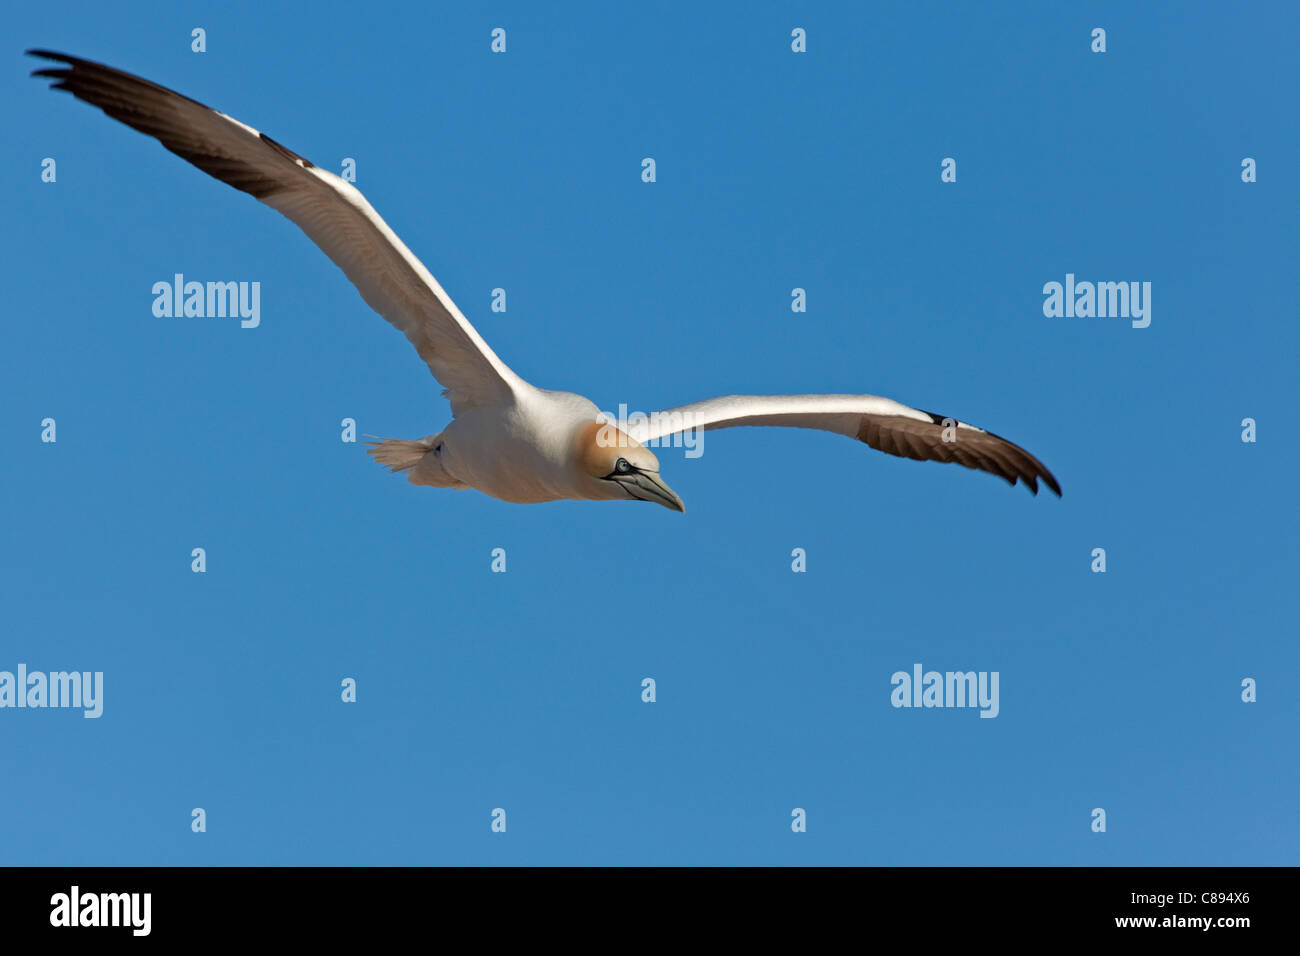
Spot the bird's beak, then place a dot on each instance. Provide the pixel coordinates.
(648, 486)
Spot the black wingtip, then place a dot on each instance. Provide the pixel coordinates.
(52, 73)
(1046, 478)
(49, 55)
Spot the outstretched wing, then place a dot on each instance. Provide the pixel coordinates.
(332, 213)
(881, 423)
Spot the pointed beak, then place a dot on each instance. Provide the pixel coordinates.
(648, 486)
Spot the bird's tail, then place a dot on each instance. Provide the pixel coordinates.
(400, 454)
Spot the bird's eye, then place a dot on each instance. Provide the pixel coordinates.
(622, 467)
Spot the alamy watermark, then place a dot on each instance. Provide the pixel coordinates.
(75, 908)
(84, 689)
(210, 300)
(675, 429)
(1102, 300)
(948, 689)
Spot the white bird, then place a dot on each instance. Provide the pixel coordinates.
(507, 438)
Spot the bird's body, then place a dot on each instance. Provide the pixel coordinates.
(508, 438)
(519, 451)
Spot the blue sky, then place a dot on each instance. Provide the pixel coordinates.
(522, 690)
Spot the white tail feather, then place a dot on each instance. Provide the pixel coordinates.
(400, 454)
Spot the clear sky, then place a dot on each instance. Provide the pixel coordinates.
(522, 690)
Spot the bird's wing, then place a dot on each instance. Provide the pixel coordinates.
(881, 423)
(332, 213)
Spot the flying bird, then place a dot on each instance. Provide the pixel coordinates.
(507, 438)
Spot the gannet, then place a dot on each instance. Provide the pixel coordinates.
(507, 438)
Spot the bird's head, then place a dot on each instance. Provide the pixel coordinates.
(613, 466)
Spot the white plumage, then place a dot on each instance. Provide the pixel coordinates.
(507, 438)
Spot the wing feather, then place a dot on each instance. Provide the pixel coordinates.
(880, 423)
(333, 213)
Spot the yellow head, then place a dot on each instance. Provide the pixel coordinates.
(613, 465)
